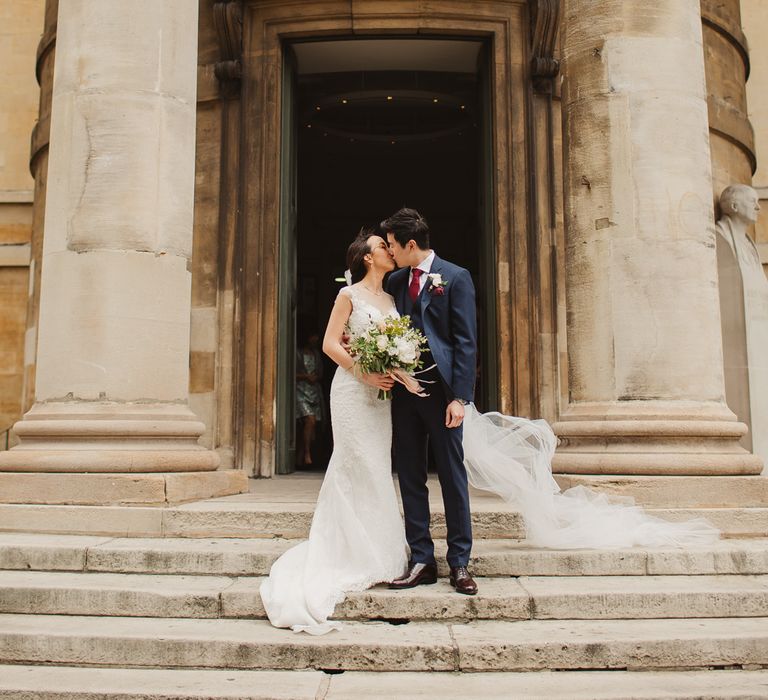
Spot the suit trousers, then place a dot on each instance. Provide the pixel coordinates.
(416, 420)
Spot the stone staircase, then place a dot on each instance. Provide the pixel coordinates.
(165, 605)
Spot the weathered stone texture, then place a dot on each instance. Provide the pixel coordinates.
(20, 26)
(732, 137)
(646, 392)
(14, 284)
(754, 16)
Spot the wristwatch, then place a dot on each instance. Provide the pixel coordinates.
(463, 402)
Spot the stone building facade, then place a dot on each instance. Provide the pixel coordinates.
(22, 23)
(200, 167)
(754, 17)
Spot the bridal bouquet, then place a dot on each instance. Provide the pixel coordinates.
(391, 347)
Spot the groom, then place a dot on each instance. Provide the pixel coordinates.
(440, 299)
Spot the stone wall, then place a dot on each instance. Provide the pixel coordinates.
(754, 18)
(20, 28)
(214, 315)
(212, 330)
(726, 64)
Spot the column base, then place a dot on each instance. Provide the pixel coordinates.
(84, 436)
(652, 438)
(119, 489)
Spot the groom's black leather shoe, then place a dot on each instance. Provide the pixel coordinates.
(462, 581)
(417, 575)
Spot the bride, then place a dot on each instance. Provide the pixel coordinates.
(357, 538)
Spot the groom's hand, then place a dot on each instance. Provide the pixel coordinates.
(454, 414)
(380, 381)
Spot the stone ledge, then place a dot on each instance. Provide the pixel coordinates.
(557, 597)
(58, 683)
(66, 683)
(377, 646)
(115, 489)
(254, 557)
(207, 519)
(221, 519)
(661, 463)
(732, 522)
(677, 491)
(574, 685)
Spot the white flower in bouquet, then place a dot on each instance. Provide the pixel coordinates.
(382, 342)
(406, 351)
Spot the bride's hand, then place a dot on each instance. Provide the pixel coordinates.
(380, 381)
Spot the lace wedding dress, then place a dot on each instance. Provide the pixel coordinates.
(357, 537)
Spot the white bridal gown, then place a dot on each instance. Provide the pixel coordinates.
(357, 537)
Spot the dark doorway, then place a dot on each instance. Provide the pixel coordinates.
(377, 125)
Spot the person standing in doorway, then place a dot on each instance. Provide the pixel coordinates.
(309, 393)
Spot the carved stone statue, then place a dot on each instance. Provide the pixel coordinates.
(744, 314)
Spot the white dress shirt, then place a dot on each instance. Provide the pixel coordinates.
(425, 265)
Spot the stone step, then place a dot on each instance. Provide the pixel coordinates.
(732, 522)
(604, 597)
(378, 646)
(70, 683)
(254, 557)
(85, 488)
(215, 518)
(65, 683)
(258, 519)
(677, 491)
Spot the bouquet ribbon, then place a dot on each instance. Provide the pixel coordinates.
(410, 382)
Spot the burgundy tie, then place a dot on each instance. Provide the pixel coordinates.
(413, 288)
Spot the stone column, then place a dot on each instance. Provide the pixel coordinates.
(644, 341)
(113, 344)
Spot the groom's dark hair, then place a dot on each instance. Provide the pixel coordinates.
(406, 225)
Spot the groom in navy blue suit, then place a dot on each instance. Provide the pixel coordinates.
(440, 299)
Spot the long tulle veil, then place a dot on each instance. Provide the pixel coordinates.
(512, 458)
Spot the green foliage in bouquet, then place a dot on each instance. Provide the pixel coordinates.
(393, 344)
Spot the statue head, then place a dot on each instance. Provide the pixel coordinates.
(740, 202)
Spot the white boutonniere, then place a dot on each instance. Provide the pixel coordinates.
(437, 284)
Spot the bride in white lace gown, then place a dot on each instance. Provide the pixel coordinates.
(357, 537)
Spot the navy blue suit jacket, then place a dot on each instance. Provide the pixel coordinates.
(449, 322)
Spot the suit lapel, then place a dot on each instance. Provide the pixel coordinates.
(426, 296)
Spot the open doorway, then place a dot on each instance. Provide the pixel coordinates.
(374, 125)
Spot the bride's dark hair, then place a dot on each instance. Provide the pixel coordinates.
(356, 253)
